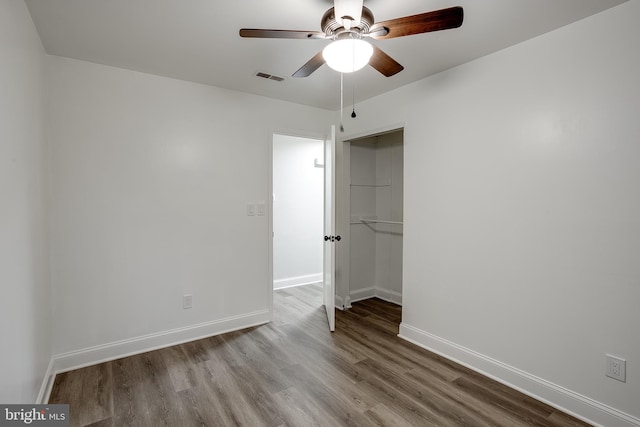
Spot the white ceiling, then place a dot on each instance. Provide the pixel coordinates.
(197, 40)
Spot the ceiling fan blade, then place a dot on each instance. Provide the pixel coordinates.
(384, 63)
(311, 65)
(280, 34)
(437, 20)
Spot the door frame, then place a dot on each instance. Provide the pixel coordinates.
(343, 214)
(269, 198)
(341, 199)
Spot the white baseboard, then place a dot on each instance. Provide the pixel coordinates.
(47, 384)
(115, 350)
(290, 282)
(361, 294)
(568, 401)
(383, 294)
(389, 295)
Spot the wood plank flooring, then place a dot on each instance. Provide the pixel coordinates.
(294, 372)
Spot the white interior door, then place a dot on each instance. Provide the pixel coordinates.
(330, 238)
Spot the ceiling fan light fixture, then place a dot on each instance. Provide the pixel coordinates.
(347, 55)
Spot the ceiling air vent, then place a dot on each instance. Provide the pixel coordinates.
(269, 76)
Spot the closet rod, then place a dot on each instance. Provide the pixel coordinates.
(381, 221)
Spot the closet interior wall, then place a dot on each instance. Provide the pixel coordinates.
(376, 188)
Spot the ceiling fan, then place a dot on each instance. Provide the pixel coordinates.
(348, 23)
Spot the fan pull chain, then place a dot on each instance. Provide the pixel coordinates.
(341, 100)
(353, 112)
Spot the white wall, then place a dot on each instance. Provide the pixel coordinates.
(151, 178)
(376, 189)
(298, 188)
(522, 212)
(25, 314)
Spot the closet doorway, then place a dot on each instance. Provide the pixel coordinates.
(298, 198)
(375, 198)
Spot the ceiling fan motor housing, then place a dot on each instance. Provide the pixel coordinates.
(332, 27)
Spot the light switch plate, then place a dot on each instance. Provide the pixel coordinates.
(187, 301)
(251, 209)
(261, 209)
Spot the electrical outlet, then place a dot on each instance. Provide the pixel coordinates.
(616, 368)
(187, 301)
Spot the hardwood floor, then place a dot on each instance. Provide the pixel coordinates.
(294, 372)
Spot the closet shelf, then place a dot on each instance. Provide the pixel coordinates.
(381, 221)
